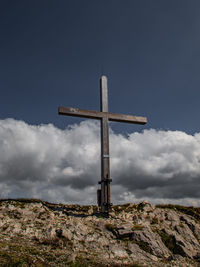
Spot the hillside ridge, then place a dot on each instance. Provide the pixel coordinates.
(39, 233)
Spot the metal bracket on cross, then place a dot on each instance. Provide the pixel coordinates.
(105, 181)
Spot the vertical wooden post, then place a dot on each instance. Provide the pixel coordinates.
(105, 156)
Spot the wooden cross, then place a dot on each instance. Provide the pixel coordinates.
(103, 194)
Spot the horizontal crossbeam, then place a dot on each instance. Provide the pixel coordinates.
(91, 114)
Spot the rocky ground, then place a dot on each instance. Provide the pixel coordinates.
(37, 233)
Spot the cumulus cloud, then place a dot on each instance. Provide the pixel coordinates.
(64, 165)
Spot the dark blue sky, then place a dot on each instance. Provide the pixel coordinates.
(53, 53)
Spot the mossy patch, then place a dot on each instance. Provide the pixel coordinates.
(56, 242)
(168, 240)
(137, 227)
(80, 262)
(128, 207)
(143, 245)
(154, 220)
(14, 254)
(171, 244)
(110, 227)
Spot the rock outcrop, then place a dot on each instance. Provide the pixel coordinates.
(37, 233)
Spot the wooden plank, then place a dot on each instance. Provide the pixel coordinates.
(103, 94)
(92, 114)
(105, 160)
(126, 118)
(105, 165)
(76, 112)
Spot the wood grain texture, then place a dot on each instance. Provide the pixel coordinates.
(92, 114)
(105, 159)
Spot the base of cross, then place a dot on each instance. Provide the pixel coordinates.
(106, 206)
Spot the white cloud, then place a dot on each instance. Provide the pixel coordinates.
(64, 165)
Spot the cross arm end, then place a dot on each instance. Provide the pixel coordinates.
(127, 118)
